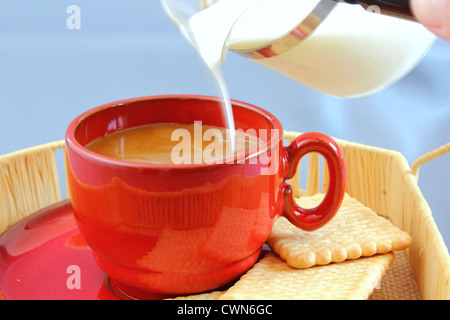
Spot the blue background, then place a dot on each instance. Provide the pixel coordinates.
(50, 74)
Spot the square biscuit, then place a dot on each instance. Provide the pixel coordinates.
(356, 231)
(273, 279)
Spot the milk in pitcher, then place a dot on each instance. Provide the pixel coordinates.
(352, 52)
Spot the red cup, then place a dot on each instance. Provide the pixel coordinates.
(158, 229)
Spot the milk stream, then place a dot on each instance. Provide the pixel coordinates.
(210, 32)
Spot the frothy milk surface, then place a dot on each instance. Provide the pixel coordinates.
(174, 143)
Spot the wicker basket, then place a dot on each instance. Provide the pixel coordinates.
(378, 178)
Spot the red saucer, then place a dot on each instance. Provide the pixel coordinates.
(43, 257)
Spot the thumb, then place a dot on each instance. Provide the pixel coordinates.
(433, 14)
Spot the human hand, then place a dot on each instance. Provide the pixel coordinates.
(433, 14)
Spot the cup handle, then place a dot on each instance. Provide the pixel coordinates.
(314, 218)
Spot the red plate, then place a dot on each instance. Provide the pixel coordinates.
(44, 257)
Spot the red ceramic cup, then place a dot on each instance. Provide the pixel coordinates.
(182, 229)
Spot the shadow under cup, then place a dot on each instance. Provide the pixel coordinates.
(167, 229)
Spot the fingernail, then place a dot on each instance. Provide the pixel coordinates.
(432, 13)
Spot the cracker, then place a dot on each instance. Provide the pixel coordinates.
(356, 231)
(273, 279)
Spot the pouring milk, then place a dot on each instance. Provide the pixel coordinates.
(209, 33)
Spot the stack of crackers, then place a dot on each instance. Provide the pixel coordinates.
(345, 260)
